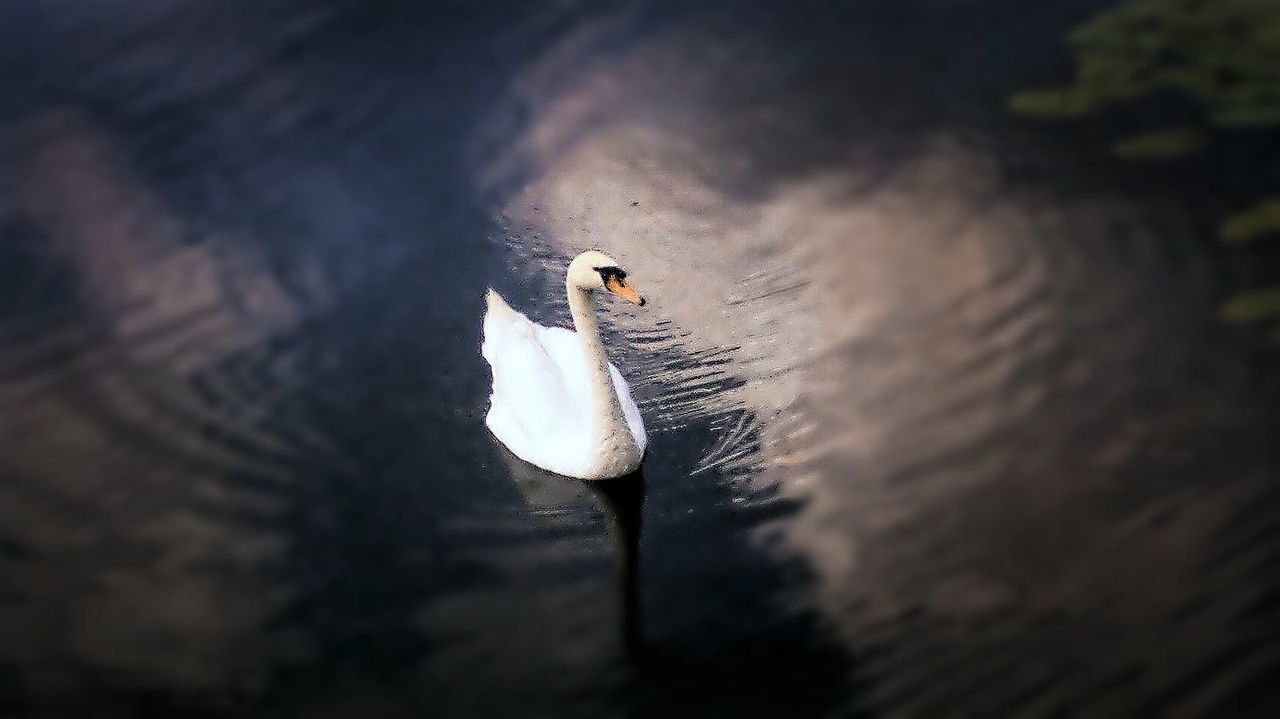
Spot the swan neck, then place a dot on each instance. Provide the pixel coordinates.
(606, 406)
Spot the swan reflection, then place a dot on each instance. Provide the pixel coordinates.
(621, 500)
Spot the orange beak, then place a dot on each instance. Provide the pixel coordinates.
(624, 290)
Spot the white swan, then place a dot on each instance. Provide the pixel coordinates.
(557, 402)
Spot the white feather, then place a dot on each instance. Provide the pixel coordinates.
(541, 405)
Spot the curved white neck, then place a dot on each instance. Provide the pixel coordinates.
(606, 408)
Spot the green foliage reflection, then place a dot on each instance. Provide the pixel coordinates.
(1222, 55)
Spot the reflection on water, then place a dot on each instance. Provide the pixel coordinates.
(1217, 57)
(941, 416)
(621, 501)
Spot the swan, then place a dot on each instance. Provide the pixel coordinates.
(557, 402)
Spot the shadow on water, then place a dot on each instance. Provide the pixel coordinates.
(623, 502)
(767, 668)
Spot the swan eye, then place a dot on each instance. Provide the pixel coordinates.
(607, 273)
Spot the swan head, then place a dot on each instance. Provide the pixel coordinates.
(593, 270)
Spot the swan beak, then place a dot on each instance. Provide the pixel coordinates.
(620, 288)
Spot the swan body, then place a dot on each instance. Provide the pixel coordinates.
(557, 401)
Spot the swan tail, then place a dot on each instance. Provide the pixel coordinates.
(497, 306)
(500, 322)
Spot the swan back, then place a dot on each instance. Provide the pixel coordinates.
(542, 406)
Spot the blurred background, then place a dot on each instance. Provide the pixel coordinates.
(961, 362)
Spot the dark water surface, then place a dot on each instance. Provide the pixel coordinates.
(942, 419)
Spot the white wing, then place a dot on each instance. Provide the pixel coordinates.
(565, 349)
(541, 401)
(629, 408)
(531, 401)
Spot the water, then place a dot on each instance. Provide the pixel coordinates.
(942, 417)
